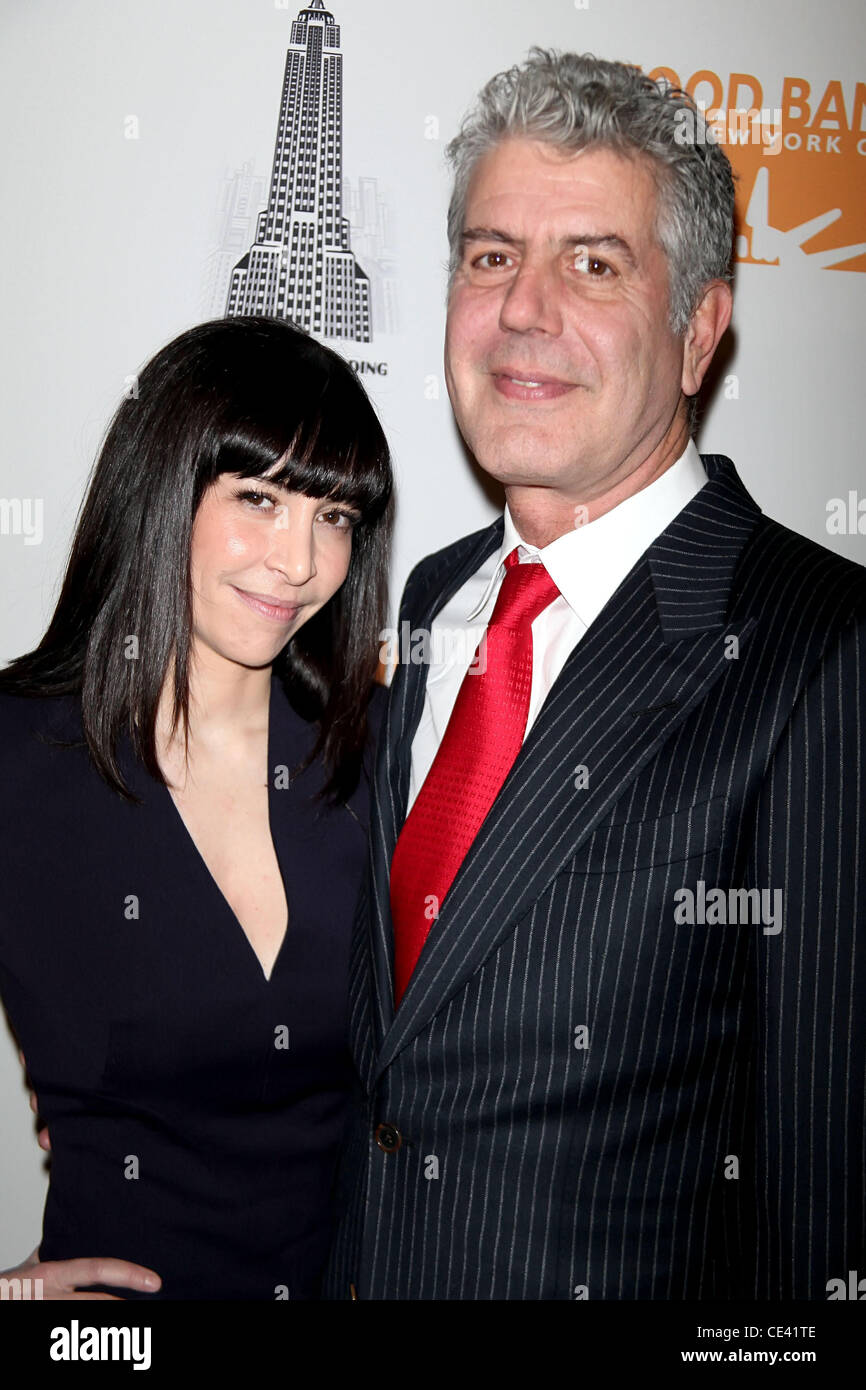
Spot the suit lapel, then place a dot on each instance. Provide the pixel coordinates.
(391, 780)
(649, 658)
(410, 678)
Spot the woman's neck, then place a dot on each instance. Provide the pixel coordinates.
(228, 704)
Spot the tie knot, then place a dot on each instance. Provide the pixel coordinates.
(525, 592)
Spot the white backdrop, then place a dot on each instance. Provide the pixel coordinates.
(111, 245)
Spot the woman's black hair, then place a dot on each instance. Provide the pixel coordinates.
(229, 396)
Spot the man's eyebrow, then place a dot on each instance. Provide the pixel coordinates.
(592, 240)
(602, 241)
(487, 234)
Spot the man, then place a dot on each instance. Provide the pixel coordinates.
(607, 991)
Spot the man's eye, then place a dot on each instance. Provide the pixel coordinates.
(492, 260)
(591, 265)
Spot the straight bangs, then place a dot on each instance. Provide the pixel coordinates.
(315, 433)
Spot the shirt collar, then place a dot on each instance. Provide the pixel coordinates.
(588, 563)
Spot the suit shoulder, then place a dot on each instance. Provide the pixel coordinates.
(440, 562)
(800, 577)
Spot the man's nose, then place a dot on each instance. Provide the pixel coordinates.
(532, 301)
(293, 549)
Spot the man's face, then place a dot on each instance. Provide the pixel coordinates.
(561, 366)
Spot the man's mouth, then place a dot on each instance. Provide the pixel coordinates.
(530, 386)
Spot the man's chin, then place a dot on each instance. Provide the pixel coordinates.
(514, 468)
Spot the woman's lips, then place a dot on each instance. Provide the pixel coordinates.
(524, 386)
(268, 607)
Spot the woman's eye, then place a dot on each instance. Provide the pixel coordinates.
(257, 499)
(341, 521)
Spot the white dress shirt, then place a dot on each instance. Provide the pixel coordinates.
(586, 564)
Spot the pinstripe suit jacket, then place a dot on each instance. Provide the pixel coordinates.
(595, 1099)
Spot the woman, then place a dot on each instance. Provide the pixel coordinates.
(183, 819)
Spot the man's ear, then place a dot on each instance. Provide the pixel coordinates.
(705, 330)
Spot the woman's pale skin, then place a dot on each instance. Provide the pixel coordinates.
(263, 561)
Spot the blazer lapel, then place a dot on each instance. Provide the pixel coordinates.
(410, 678)
(649, 658)
(391, 778)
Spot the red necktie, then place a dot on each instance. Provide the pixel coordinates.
(481, 741)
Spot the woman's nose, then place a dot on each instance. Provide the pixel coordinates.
(293, 548)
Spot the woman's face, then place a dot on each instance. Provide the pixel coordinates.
(263, 560)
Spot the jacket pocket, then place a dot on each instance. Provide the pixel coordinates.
(621, 847)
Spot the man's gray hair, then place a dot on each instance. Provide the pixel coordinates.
(573, 101)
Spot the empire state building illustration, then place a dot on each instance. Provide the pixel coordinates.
(301, 266)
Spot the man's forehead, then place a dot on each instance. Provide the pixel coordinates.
(597, 197)
(518, 167)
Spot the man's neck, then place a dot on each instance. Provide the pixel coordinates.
(543, 514)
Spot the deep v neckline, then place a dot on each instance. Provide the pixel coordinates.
(190, 839)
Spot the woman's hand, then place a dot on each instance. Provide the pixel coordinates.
(42, 1138)
(61, 1279)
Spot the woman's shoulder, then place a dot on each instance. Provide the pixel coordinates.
(293, 738)
(30, 723)
(307, 729)
(39, 711)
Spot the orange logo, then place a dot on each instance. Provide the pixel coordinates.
(800, 160)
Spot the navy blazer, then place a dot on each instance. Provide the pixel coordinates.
(597, 1086)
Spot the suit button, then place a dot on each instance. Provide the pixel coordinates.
(388, 1138)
